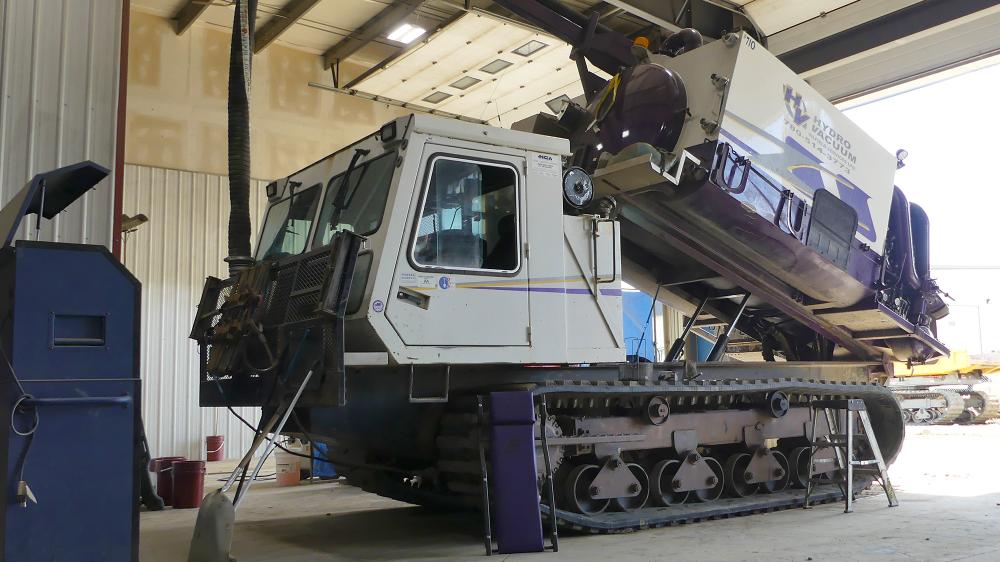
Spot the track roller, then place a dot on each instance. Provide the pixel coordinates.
(738, 476)
(781, 482)
(661, 481)
(579, 492)
(799, 461)
(634, 502)
(713, 493)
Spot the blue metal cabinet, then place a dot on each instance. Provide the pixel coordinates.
(69, 354)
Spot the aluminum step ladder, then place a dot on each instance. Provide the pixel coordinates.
(843, 445)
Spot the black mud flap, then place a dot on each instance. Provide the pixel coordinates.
(832, 227)
(334, 304)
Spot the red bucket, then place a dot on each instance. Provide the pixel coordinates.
(164, 477)
(189, 483)
(215, 447)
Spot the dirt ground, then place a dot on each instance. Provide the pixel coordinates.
(946, 479)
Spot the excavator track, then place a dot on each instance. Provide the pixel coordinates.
(990, 407)
(953, 410)
(458, 463)
(956, 406)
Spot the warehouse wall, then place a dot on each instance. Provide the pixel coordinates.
(177, 103)
(176, 120)
(59, 66)
(183, 243)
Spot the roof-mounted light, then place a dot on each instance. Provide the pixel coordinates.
(388, 132)
(406, 33)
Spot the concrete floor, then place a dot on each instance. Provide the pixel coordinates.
(946, 478)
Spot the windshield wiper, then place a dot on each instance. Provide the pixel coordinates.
(339, 202)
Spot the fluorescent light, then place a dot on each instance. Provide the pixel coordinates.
(399, 32)
(406, 33)
(600, 146)
(625, 134)
(412, 35)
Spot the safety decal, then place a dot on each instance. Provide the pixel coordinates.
(418, 281)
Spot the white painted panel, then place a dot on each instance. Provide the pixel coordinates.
(59, 62)
(967, 39)
(804, 143)
(461, 50)
(842, 19)
(183, 243)
(772, 16)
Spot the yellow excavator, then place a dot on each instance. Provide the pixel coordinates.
(955, 389)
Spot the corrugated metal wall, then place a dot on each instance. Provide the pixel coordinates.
(59, 68)
(673, 325)
(183, 242)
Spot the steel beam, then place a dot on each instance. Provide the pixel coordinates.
(880, 31)
(604, 10)
(656, 12)
(280, 22)
(190, 12)
(381, 23)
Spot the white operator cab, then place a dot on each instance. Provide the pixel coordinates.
(468, 256)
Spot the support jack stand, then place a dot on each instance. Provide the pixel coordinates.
(517, 517)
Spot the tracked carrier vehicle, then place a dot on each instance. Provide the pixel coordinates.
(426, 269)
(955, 389)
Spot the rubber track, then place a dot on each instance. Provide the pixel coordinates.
(620, 522)
(724, 508)
(956, 404)
(699, 387)
(992, 409)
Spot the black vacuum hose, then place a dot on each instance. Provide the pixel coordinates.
(239, 142)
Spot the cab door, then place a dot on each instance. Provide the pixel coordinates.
(462, 276)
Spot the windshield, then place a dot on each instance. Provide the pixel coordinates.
(363, 202)
(286, 227)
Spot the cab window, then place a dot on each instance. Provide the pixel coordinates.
(363, 202)
(468, 218)
(287, 224)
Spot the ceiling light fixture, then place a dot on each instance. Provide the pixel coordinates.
(406, 33)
